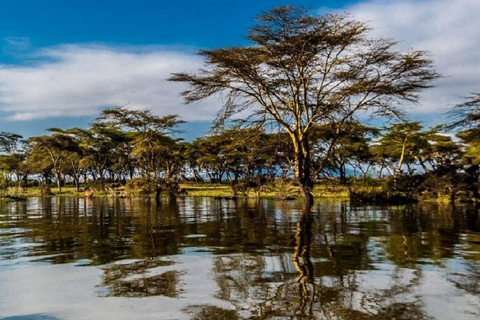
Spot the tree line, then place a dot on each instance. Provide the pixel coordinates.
(125, 145)
(293, 101)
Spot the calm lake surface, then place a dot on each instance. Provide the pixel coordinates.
(201, 258)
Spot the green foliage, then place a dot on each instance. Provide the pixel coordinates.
(139, 187)
(466, 114)
(351, 147)
(240, 154)
(302, 71)
(151, 145)
(287, 191)
(406, 185)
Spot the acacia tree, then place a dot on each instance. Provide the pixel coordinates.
(351, 148)
(151, 141)
(12, 157)
(55, 150)
(106, 148)
(149, 133)
(304, 70)
(467, 114)
(210, 156)
(401, 145)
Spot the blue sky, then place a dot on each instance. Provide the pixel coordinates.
(63, 61)
(206, 23)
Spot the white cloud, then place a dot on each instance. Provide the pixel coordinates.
(448, 30)
(78, 80)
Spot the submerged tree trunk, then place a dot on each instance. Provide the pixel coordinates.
(303, 171)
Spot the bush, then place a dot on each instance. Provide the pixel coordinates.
(139, 187)
(406, 185)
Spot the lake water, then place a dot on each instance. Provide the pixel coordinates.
(201, 258)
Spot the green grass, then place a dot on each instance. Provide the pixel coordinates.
(330, 191)
(207, 190)
(272, 191)
(275, 191)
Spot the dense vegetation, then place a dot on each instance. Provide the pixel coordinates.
(303, 85)
(138, 151)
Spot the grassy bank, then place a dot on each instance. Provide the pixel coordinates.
(373, 193)
(277, 191)
(274, 191)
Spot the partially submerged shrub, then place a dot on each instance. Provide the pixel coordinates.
(144, 187)
(45, 191)
(287, 191)
(395, 190)
(140, 187)
(406, 185)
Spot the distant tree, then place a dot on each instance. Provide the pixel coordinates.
(142, 121)
(153, 146)
(466, 116)
(441, 152)
(239, 154)
(107, 149)
(192, 153)
(245, 152)
(12, 157)
(399, 147)
(351, 149)
(306, 70)
(54, 151)
(72, 155)
(210, 157)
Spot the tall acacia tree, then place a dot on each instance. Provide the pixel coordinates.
(304, 70)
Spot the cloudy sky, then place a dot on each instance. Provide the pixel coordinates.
(61, 62)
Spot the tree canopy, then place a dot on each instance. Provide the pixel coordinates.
(304, 70)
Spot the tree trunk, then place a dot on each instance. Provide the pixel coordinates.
(59, 181)
(102, 178)
(402, 157)
(158, 193)
(303, 172)
(343, 176)
(77, 182)
(131, 171)
(197, 176)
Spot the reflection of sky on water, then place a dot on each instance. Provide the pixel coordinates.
(67, 291)
(225, 263)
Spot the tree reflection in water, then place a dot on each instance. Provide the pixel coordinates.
(303, 263)
(141, 279)
(210, 313)
(259, 259)
(326, 288)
